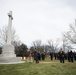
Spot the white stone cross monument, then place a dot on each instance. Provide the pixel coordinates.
(8, 49)
(8, 55)
(9, 28)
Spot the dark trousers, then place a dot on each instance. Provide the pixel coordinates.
(37, 61)
(70, 59)
(51, 57)
(61, 60)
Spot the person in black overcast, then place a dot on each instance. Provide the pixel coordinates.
(36, 56)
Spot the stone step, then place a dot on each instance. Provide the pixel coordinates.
(10, 60)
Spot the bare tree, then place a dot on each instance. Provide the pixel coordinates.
(66, 43)
(57, 43)
(53, 44)
(3, 35)
(70, 36)
(34, 44)
(50, 42)
(37, 43)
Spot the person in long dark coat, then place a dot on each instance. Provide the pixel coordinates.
(39, 55)
(51, 55)
(70, 56)
(36, 56)
(43, 55)
(75, 56)
(61, 56)
(55, 55)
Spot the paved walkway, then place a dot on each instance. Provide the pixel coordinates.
(47, 62)
(50, 62)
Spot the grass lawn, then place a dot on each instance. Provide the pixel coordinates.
(39, 69)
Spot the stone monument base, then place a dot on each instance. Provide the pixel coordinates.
(10, 60)
(8, 55)
(8, 51)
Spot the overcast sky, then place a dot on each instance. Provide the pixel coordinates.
(38, 19)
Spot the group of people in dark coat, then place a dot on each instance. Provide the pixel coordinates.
(61, 55)
(38, 56)
(70, 56)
